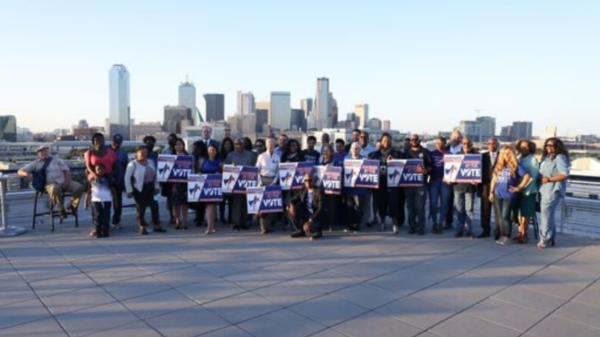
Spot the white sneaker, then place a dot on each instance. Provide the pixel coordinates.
(504, 241)
(395, 229)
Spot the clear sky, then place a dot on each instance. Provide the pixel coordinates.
(424, 64)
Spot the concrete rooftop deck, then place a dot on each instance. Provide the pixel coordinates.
(371, 284)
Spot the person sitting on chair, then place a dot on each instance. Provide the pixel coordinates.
(305, 210)
(58, 179)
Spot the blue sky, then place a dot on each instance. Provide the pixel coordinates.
(424, 64)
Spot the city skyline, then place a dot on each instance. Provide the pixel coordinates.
(423, 66)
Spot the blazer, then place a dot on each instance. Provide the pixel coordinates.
(317, 203)
(487, 167)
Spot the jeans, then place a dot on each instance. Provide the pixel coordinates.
(505, 208)
(415, 199)
(438, 190)
(143, 200)
(386, 200)
(548, 205)
(463, 208)
(117, 204)
(101, 215)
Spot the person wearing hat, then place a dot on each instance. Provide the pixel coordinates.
(58, 179)
(119, 179)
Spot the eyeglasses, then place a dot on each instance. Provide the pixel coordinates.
(550, 145)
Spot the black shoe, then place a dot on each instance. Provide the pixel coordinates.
(143, 231)
(421, 232)
(483, 235)
(298, 234)
(159, 230)
(412, 231)
(459, 234)
(369, 224)
(470, 235)
(448, 226)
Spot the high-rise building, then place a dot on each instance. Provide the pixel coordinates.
(119, 104)
(374, 123)
(362, 113)
(187, 98)
(506, 132)
(387, 125)
(245, 103)
(487, 127)
(334, 111)
(521, 130)
(322, 106)
(176, 118)
(298, 120)
(471, 129)
(262, 119)
(214, 107)
(280, 111)
(307, 105)
(8, 128)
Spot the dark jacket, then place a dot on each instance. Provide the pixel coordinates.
(299, 201)
(378, 155)
(487, 167)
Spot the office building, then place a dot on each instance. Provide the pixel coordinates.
(280, 111)
(322, 105)
(362, 114)
(119, 104)
(245, 103)
(487, 128)
(298, 120)
(374, 123)
(521, 130)
(214, 107)
(262, 120)
(387, 125)
(187, 98)
(8, 128)
(176, 118)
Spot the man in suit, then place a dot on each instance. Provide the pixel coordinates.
(206, 137)
(453, 147)
(306, 210)
(355, 138)
(489, 160)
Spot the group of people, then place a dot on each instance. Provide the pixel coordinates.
(514, 183)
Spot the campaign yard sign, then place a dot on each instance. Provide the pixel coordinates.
(462, 168)
(362, 173)
(291, 175)
(403, 173)
(205, 188)
(174, 168)
(329, 178)
(237, 178)
(266, 199)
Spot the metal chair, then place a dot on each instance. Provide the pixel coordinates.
(51, 212)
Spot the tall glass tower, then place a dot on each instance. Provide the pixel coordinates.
(119, 105)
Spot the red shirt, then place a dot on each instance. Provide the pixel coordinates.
(108, 160)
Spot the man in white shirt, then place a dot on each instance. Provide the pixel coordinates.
(268, 169)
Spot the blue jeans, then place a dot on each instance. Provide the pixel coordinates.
(439, 191)
(463, 210)
(415, 199)
(505, 208)
(548, 205)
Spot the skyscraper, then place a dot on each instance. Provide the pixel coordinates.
(214, 107)
(246, 105)
(298, 120)
(176, 118)
(187, 98)
(8, 128)
(522, 130)
(119, 105)
(280, 111)
(307, 105)
(322, 106)
(487, 126)
(362, 113)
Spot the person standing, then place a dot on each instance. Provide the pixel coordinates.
(384, 197)
(268, 170)
(464, 198)
(207, 137)
(141, 184)
(416, 196)
(119, 179)
(454, 147)
(226, 149)
(366, 149)
(509, 179)
(331, 203)
(101, 193)
(210, 165)
(179, 192)
(527, 198)
(554, 170)
(310, 154)
(240, 157)
(488, 164)
(167, 188)
(354, 196)
(282, 142)
(439, 191)
(355, 137)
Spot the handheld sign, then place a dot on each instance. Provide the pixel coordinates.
(462, 168)
(361, 173)
(174, 168)
(237, 178)
(403, 173)
(205, 188)
(265, 199)
(291, 175)
(329, 178)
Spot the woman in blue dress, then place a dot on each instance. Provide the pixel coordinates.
(210, 165)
